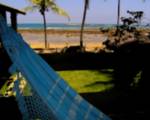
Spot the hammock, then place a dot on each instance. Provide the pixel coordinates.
(51, 97)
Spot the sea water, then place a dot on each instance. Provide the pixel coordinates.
(71, 26)
(63, 26)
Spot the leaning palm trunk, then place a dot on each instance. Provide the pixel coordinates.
(118, 16)
(45, 30)
(83, 22)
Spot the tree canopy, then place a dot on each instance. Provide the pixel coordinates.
(46, 5)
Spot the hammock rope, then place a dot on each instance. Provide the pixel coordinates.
(50, 98)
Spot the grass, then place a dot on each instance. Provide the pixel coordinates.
(3, 89)
(84, 81)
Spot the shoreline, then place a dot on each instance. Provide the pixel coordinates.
(88, 31)
(59, 39)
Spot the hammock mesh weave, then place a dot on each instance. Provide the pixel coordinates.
(51, 97)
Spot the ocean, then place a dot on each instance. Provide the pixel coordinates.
(60, 40)
(63, 26)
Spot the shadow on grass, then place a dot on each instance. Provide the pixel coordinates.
(121, 105)
(118, 103)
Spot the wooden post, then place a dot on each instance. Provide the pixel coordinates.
(14, 20)
(3, 13)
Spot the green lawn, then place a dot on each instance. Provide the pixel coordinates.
(83, 81)
(3, 89)
(87, 80)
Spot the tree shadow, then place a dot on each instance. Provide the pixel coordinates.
(120, 105)
(129, 98)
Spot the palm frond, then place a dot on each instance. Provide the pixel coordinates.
(31, 8)
(55, 8)
(37, 4)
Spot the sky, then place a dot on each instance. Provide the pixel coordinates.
(101, 11)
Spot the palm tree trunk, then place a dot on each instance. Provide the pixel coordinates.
(45, 30)
(118, 16)
(83, 22)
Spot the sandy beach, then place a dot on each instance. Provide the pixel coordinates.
(58, 39)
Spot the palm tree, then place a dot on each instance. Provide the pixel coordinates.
(118, 16)
(86, 6)
(43, 6)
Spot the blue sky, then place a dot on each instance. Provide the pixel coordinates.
(101, 11)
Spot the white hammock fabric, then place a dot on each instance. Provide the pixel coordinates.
(51, 98)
